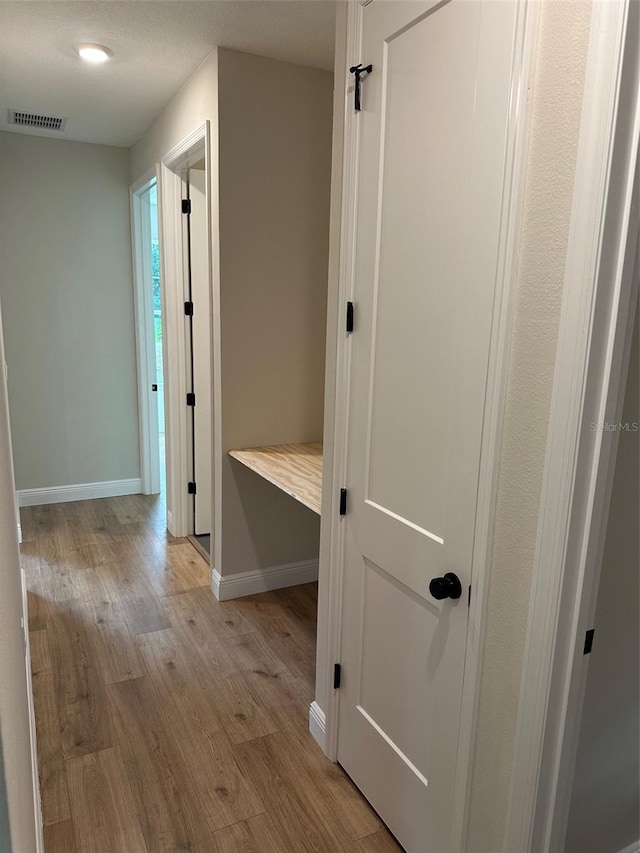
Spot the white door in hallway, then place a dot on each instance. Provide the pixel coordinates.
(432, 149)
(201, 331)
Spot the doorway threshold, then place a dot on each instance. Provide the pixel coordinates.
(202, 544)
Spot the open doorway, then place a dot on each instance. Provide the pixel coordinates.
(149, 334)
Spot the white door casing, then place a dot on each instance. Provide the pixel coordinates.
(201, 330)
(171, 188)
(594, 340)
(145, 334)
(174, 294)
(432, 159)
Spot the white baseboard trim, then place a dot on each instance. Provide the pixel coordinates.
(79, 492)
(263, 580)
(318, 725)
(632, 848)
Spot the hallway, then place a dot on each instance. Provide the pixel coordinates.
(168, 721)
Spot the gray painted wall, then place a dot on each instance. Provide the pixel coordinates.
(193, 104)
(67, 300)
(275, 125)
(271, 152)
(605, 803)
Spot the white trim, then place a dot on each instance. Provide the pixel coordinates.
(174, 350)
(17, 507)
(522, 71)
(32, 717)
(145, 341)
(326, 586)
(632, 848)
(525, 37)
(213, 226)
(334, 569)
(79, 492)
(317, 725)
(144, 181)
(263, 580)
(181, 156)
(174, 292)
(577, 478)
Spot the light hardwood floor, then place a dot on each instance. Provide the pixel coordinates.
(168, 721)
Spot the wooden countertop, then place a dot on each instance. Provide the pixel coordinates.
(294, 468)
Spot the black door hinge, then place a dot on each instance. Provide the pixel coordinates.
(191, 399)
(186, 205)
(343, 501)
(337, 675)
(349, 317)
(191, 488)
(588, 641)
(469, 597)
(358, 71)
(188, 309)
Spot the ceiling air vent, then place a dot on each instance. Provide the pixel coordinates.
(35, 120)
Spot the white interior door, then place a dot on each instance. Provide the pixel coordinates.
(431, 162)
(201, 332)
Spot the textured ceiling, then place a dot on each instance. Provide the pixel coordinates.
(156, 45)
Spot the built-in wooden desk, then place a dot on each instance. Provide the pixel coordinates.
(294, 468)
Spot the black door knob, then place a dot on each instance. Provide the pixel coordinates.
(447, 587)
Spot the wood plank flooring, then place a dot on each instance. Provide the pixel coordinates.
(168, 721)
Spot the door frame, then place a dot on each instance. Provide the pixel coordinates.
(172, 168)
(599, 296)
(524, 44)
(145, 342)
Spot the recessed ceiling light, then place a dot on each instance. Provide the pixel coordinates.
(94, 53)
